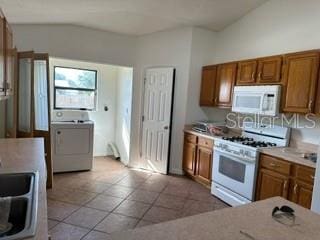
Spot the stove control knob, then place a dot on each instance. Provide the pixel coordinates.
(241, 152)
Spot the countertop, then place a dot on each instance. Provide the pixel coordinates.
(22, 155)
(290, 154)
(188, 129)
(253, 220)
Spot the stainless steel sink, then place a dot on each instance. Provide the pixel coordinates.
(23, 188)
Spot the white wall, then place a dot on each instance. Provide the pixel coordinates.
(278, 26)
(203, 49)
(123, 114)
(169, 48)
(104, 129)
(79, 43)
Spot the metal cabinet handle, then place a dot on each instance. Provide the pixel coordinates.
(295, 189)
(285, 185)
(312, 177)
(310, 105)
(259, 76)
(252, 76)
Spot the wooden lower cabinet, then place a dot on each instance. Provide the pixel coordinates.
(189, 158)
(301, 193)
(296, 184)
(197, 158)
(204, 160)
(271, 184)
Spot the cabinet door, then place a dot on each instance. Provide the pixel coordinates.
(2, 59)
(226, 77)
(271, 184)
(300, 78)
(247, 72)
(204, 160)
(189, 158)
(302, 194)
(208, 83)
(269, 70)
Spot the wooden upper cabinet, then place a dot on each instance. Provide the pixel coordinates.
(269, 70)
(300, 78)
(226, 77)
(246, 72)
(208, 83)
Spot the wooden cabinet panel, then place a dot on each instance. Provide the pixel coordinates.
(302, 194)
(305, 174)
(189, 158)
(271, 184)
(226, 77)
(190, 138)
(300, 78)
(204, 159)
(275, 164)
(205, 142)
(208, 85)
(269, 70)
(246, 72)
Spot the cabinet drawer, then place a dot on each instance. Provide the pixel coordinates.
(305, 174)
(275, 164)
(205, 142)
(190, 138)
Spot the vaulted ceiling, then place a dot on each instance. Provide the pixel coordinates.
(133, 17)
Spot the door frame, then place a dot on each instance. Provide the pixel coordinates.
(142, 111)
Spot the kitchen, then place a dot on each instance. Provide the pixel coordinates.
(221, 56)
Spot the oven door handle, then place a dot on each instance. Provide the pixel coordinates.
(234, 157)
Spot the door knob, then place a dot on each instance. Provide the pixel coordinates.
(166, 127)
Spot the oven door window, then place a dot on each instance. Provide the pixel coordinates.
(232, 169)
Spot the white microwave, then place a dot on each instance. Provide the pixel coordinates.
(264, 99)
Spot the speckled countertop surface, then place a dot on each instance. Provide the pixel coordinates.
(292, 154)
(252, 221)
(289, 154)
(188, 129)
(27, 155)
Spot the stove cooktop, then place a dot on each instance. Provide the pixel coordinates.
(249, 142)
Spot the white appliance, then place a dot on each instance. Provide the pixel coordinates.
(72, 145)
(316, 188)
(235, 161)
(262, 100)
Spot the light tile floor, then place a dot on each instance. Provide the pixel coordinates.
(91, 205)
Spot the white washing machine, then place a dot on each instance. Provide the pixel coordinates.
(72, 145)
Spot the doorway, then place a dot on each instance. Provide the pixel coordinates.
(156, 119)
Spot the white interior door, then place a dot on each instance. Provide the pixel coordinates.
(158, 93)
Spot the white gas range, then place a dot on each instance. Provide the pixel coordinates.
(235, 161)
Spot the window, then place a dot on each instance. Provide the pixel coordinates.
(74, 88)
